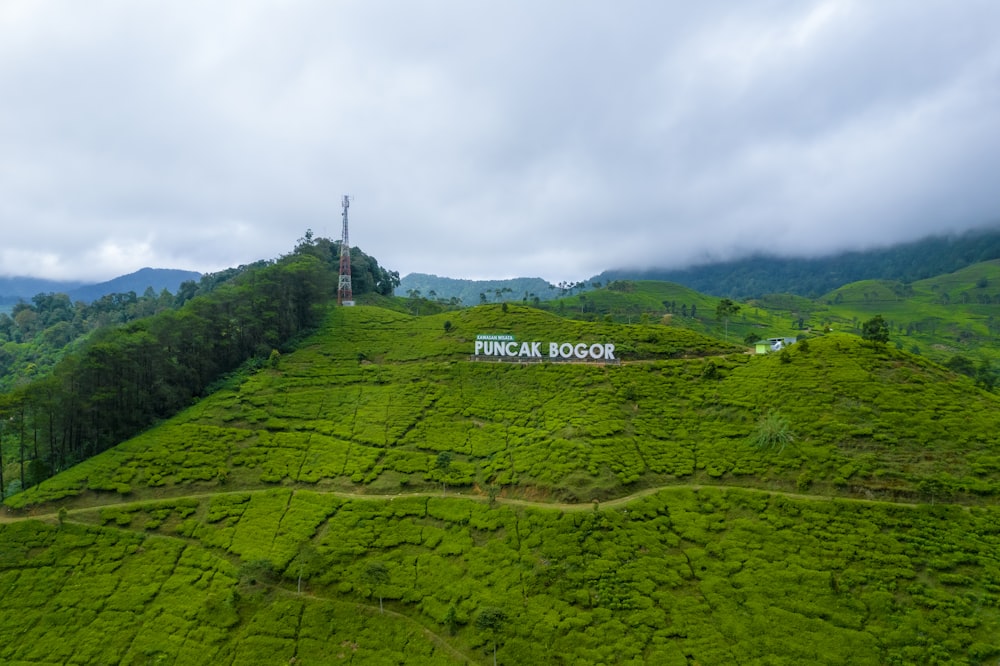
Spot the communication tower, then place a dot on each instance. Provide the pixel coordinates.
(344, 294)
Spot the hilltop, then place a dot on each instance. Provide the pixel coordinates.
(692, 503)
(475, 292)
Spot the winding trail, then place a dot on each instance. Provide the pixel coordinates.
(9, 516)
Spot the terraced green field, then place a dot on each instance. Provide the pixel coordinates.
(693, 504)
(709, 575)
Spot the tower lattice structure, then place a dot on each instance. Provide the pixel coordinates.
(344, 294)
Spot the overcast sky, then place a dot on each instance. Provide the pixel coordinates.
(490, 139)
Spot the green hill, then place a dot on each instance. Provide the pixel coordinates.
(955, 313)
(474, 292)
(692, 503)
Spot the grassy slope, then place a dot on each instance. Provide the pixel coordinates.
(688, 572)
(942, 316)
(939, 317)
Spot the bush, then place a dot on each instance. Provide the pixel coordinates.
(773, 433)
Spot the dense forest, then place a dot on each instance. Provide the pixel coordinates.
(114, 367)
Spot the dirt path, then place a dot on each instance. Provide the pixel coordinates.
(7, 516)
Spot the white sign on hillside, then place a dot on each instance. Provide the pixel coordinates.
(505, 346)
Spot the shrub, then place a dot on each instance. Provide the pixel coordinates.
(773, 433)
(257, 572)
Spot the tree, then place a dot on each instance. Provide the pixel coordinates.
(875, 331)
(1, 458)
(986, 376)
(451, 619)
(376, 576)
(256, 573)
(304, 562)
(492, 621)
(443, 463)
(724, 310)
(962, 365)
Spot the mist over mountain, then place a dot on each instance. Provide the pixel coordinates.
(761, 274)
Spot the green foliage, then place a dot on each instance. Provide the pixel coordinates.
(125, 378)
(773, 433)
(467, 292)
(376, 576)
(284, 560)
(105, 596)
(677, 570)
(257, 572)
(875, 331)
(492, 620)
(35, 335)
(575, 432)
(726, 309)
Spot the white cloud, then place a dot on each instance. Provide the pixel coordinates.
(556, 139)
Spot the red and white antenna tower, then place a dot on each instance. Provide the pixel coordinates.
(344, 294)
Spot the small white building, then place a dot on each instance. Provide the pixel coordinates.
(772, 344)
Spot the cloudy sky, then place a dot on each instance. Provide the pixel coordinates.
(490, 139)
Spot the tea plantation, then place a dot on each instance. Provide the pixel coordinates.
(378, 497)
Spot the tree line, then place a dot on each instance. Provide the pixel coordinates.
(125, 377)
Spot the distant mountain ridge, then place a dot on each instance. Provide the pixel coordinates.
(13, 289)
(760, 275)
(754, 276)
(145, 278)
